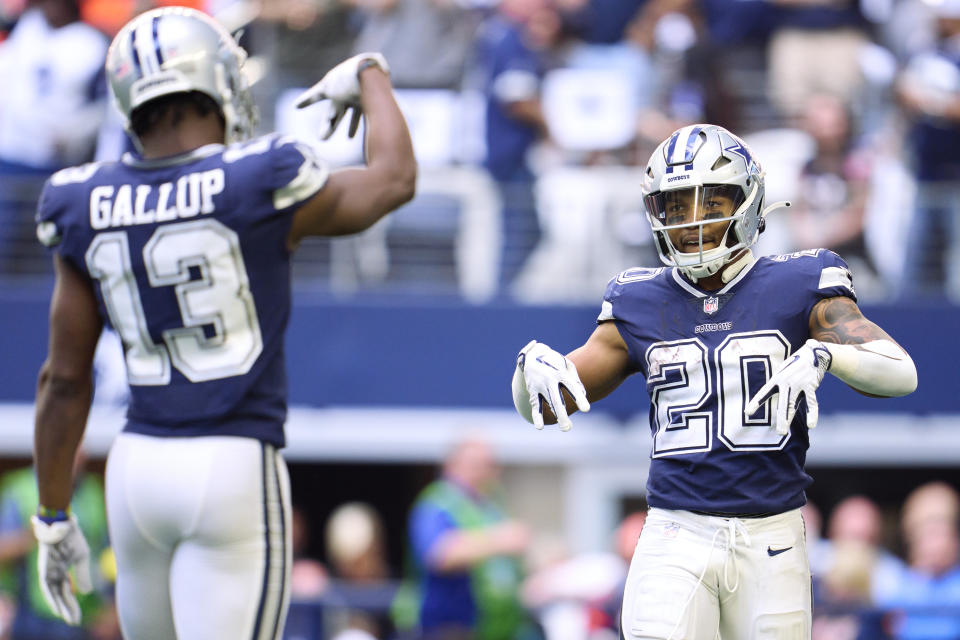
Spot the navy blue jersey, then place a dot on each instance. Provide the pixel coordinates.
(191, 268)
(704, 355)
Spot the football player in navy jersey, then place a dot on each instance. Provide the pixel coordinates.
(184, 249)
(733, 348)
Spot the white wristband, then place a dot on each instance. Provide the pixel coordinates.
(878, 367)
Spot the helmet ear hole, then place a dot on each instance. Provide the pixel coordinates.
(721, 162)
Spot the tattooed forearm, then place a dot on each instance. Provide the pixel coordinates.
(840, 321)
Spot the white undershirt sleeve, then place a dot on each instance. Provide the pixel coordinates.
(878, 367)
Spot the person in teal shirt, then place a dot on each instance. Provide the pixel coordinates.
(465, 553)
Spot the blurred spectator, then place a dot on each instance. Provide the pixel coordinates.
(830, 207)
(360, 593)
(109, 15)
(51, 119)
(578, 596)
(513, 54)
(309, 580)
(34, 619)
(300, 40)
(853, 568)
(601, 21)
(843, 606)
(308, 577)
(929, 504)
(926, 598)
(10, 10)
(426, 42)
(815, 48)
(929, 90)
(466, 571)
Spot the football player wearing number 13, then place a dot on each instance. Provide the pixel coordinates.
(733, 349)
(185, 250)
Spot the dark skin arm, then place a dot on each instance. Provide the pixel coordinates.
(603, 361)
(840, 321)
(355, 198)
(602, 364)
(65, 385)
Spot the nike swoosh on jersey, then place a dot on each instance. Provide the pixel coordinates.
(775, 552)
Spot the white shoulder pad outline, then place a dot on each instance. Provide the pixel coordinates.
(75, 175)
(638, 274)
(836, 277)
(311, 177)
(256, 146)
(606, 312)
(48, 233)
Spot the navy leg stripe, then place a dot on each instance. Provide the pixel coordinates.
(284, 569)
(272, 591)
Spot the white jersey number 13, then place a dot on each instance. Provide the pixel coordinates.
(219, 298)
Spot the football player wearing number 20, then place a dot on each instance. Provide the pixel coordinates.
(184, 249)
(733, 348)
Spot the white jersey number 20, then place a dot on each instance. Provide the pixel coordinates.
(220, 298)
(682, 380)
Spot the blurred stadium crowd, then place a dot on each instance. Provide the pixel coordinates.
(532, 120)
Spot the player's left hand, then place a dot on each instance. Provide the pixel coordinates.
(341, 86)
(797, 379)
(62, 546)
(543, 372)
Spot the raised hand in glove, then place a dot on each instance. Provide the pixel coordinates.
(797, 379)
(543, 372)
(62, 546)
(341, 87)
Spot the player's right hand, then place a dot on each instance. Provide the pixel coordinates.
(62, 546)
(795, 381)
(341, 86)
(543, 373)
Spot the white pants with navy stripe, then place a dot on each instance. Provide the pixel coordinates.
(698, 577)
(201, 531)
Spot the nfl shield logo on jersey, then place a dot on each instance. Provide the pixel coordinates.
(711, 304)
(671, 529)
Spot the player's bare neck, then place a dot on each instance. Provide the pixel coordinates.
(729, 271)
(174, 137)
(711, 283)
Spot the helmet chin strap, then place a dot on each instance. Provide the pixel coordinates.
(734, 268)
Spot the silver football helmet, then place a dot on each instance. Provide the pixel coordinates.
(696, 166)
(175, 50)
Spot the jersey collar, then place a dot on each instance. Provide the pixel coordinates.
(134, 160)
(745, 264)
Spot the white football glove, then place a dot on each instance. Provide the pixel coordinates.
(62, 546)
(542, 372)
(341, 86)
(796, 378)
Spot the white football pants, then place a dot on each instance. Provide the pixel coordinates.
(201, 531)
(696, 577)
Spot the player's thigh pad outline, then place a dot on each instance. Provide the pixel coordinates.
(664, 595)
(219, 507)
